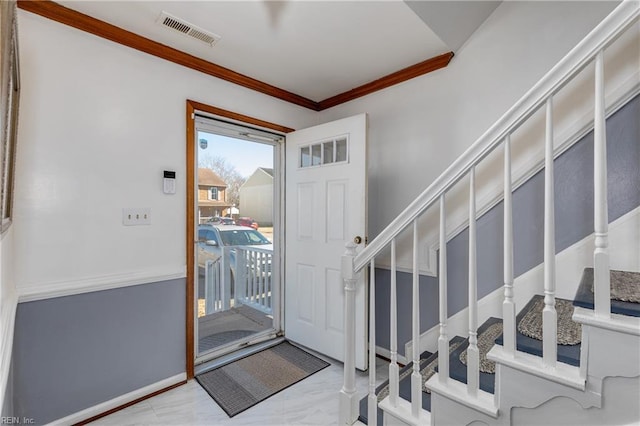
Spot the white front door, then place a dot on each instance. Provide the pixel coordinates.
(326, 199)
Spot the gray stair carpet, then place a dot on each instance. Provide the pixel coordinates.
(625, 292)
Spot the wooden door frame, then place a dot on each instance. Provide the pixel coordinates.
(192, 107)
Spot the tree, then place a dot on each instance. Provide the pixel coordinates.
(227, 172)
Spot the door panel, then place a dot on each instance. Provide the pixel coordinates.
(336, 215)
(325, 208)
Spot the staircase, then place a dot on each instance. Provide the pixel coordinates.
(528, 340)
(556, 360)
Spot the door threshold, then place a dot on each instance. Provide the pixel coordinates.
(236, 355)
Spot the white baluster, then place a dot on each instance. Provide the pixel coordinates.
(217, 279)
(348, 397)
(373, 399)
(269, 280)
(208, 296)
(214, 276)
(443, 340)
(225, 265)
(240, 276)
(549, 315)
(394, 378)
(261, 279)
(601, 277)
(473, 355)
(416, 377)
(254, 277)
(508, 306)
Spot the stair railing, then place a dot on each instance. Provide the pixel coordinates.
(589, 49)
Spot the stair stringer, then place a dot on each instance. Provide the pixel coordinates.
(452, 405)
(401, 415)
(620, 406)
(524, 387)
(445, 411)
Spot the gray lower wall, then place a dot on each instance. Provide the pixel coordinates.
(7, 404)
(71, 353)
(573, 180)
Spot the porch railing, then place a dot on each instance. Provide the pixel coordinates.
(240, 276)
(590, 49)
(253, 277)
(215, 298)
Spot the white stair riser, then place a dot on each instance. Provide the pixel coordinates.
(445, 411)
(612, 353)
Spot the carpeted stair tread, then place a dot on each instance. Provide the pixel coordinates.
(530, 323)
(404, 390)
(458, 370)
(428, 362)
(568, 354)
(625, 292)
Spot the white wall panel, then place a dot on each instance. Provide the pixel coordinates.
(419, 127)
(99, 122)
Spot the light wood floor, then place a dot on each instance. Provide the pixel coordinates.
(313, 401)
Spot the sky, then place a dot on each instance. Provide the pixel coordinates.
(245, 156)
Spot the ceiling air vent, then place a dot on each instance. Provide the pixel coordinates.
(167, 20)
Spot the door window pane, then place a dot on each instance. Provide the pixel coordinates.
(324, 153)
(315, 155)
(305, 158)
(341, 150)
(327, 152)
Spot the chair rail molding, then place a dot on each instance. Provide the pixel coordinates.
(74, 286)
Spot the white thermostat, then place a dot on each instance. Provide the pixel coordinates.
(169, 182)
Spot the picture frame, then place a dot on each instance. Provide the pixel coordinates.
(9, 107)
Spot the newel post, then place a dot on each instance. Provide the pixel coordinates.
(348, 396)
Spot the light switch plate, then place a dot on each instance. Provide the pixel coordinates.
(136, 216)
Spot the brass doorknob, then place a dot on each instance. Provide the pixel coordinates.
(357, 239)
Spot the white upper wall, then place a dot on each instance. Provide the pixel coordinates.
(99, 122)
(419, 127)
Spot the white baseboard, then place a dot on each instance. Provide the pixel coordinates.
(624, 235)
(75, 286)
(386, 354)
(120, 401)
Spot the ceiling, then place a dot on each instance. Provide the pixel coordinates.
(315, 49)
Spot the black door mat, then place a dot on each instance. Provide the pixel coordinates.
(243, 383)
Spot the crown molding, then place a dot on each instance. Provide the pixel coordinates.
(58, 13)
(392, 79)
(80, 21)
